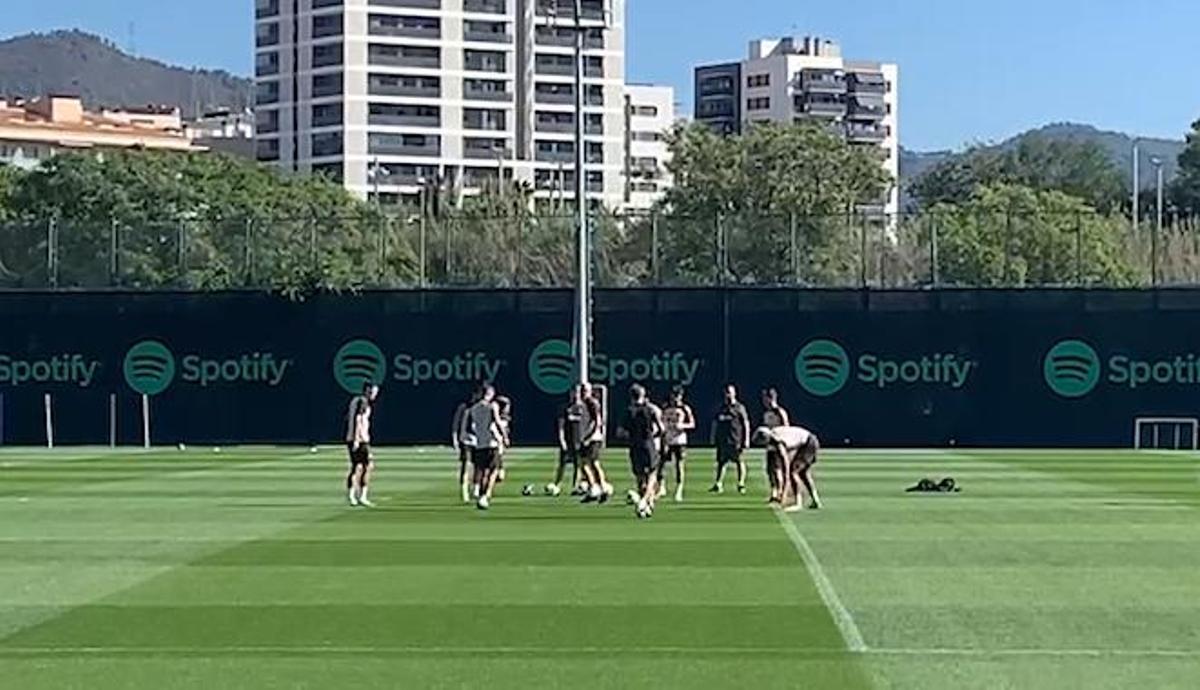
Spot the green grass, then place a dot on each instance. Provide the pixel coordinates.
(245, 570)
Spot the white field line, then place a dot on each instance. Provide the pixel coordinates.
(841, 615)
(6, 651)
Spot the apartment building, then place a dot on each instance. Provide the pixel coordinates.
(807, 79)
(390, 95)
(650, 115)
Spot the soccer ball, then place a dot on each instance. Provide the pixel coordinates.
(631, 498)
(182, 447)
(528, 490)
(314, 449)
(553, 490)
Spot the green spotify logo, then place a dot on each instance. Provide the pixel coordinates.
(149, 367)
(552, 367)
(822, 368)
(357, 363)
(1072, 368)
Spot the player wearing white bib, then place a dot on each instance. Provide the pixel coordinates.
(799, 448)
(678, 420)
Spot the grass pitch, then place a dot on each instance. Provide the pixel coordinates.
(245, 569)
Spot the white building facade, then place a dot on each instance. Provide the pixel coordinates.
(807, 79)
(392, 95)
(650, 114)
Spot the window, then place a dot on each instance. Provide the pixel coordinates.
(326, 85)
(266, 64)
(266, 35)
(326, 55)
(327, 144)
(647, 136)
(758, 80)
(758, 104)
(266, 92)
(267, 150)
(645, 111)
(327, 115)
(266, 121)
(327, 25)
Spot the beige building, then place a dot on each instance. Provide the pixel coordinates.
(32, 131)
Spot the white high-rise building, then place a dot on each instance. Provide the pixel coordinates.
(650, 116)
(388, 95)
(807, 79)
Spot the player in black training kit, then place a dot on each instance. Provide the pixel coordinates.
(775, 417)
(643, 428)
(358, 445)
(464, 443)
(572, 428)
(731, 436)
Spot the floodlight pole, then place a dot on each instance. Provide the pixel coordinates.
(583, 289)
(1137, 184)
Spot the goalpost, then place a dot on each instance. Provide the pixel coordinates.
(1166, 433)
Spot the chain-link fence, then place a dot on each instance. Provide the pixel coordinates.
(940, 249)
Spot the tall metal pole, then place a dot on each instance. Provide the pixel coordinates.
(1137, 184)
(583, 290)
(1158, 226)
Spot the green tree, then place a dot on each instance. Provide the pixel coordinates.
(1012, 235)
(1185, 191)
(204, 221)
(738, 200)
(1077, 167)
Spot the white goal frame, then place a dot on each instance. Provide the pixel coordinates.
(1179, 423)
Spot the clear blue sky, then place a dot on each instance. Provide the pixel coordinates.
(970, 70)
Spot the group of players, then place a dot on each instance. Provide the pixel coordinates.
(657, 437)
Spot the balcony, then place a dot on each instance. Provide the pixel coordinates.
(381, 146)
(566, 39)
(554, 156)
(473, 92)
(388, 58)
(554, 97)
(559, 69)
(867, 83)
(565, 11)
(820, 106)
(487, 36)
(822, 81)
(381, 27)
(860, 133)
(478, 64)
(414, 4)
(867, 109)
(383, 88)
(398, 118)
(485, 151)
(485, 6)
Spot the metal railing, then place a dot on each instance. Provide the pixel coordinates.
(409, 250)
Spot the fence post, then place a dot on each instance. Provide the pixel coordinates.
(248, 252)
(313, 259)
(180, 261)
(52, 252)
(933, 253)
(114, 247)
(383, 228)
(1007, 247)
(655, 268)
(794, 247)
(422, 249)
(1078, 249)
(862, 251)
(1154, 250)
(720, 239)
(447, 226)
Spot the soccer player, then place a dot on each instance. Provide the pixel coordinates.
(642, 427)
(572, 425)
(358, 443)
(504, 405)
(799, 448)
(678, 420)
(483, 423)
(731, 436)
(774, 416)
(463, 443)
(599, 490)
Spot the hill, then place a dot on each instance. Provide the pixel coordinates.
(1119, 146)
(78, 63)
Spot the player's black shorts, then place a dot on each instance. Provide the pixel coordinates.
(362, 456)
(728, 454)
(570, 456)
(806, 457)
(590, 452)
(674, 453)
(485, 458)
(643, 459)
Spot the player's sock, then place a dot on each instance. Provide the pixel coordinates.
(363, 500)
(466, 492)
(662, 490)
(679, 494)
(353, 496)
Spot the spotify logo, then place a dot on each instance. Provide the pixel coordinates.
(822, 368)
(552, 367)
(359, 362)
(149, 367)
(1072, 368)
